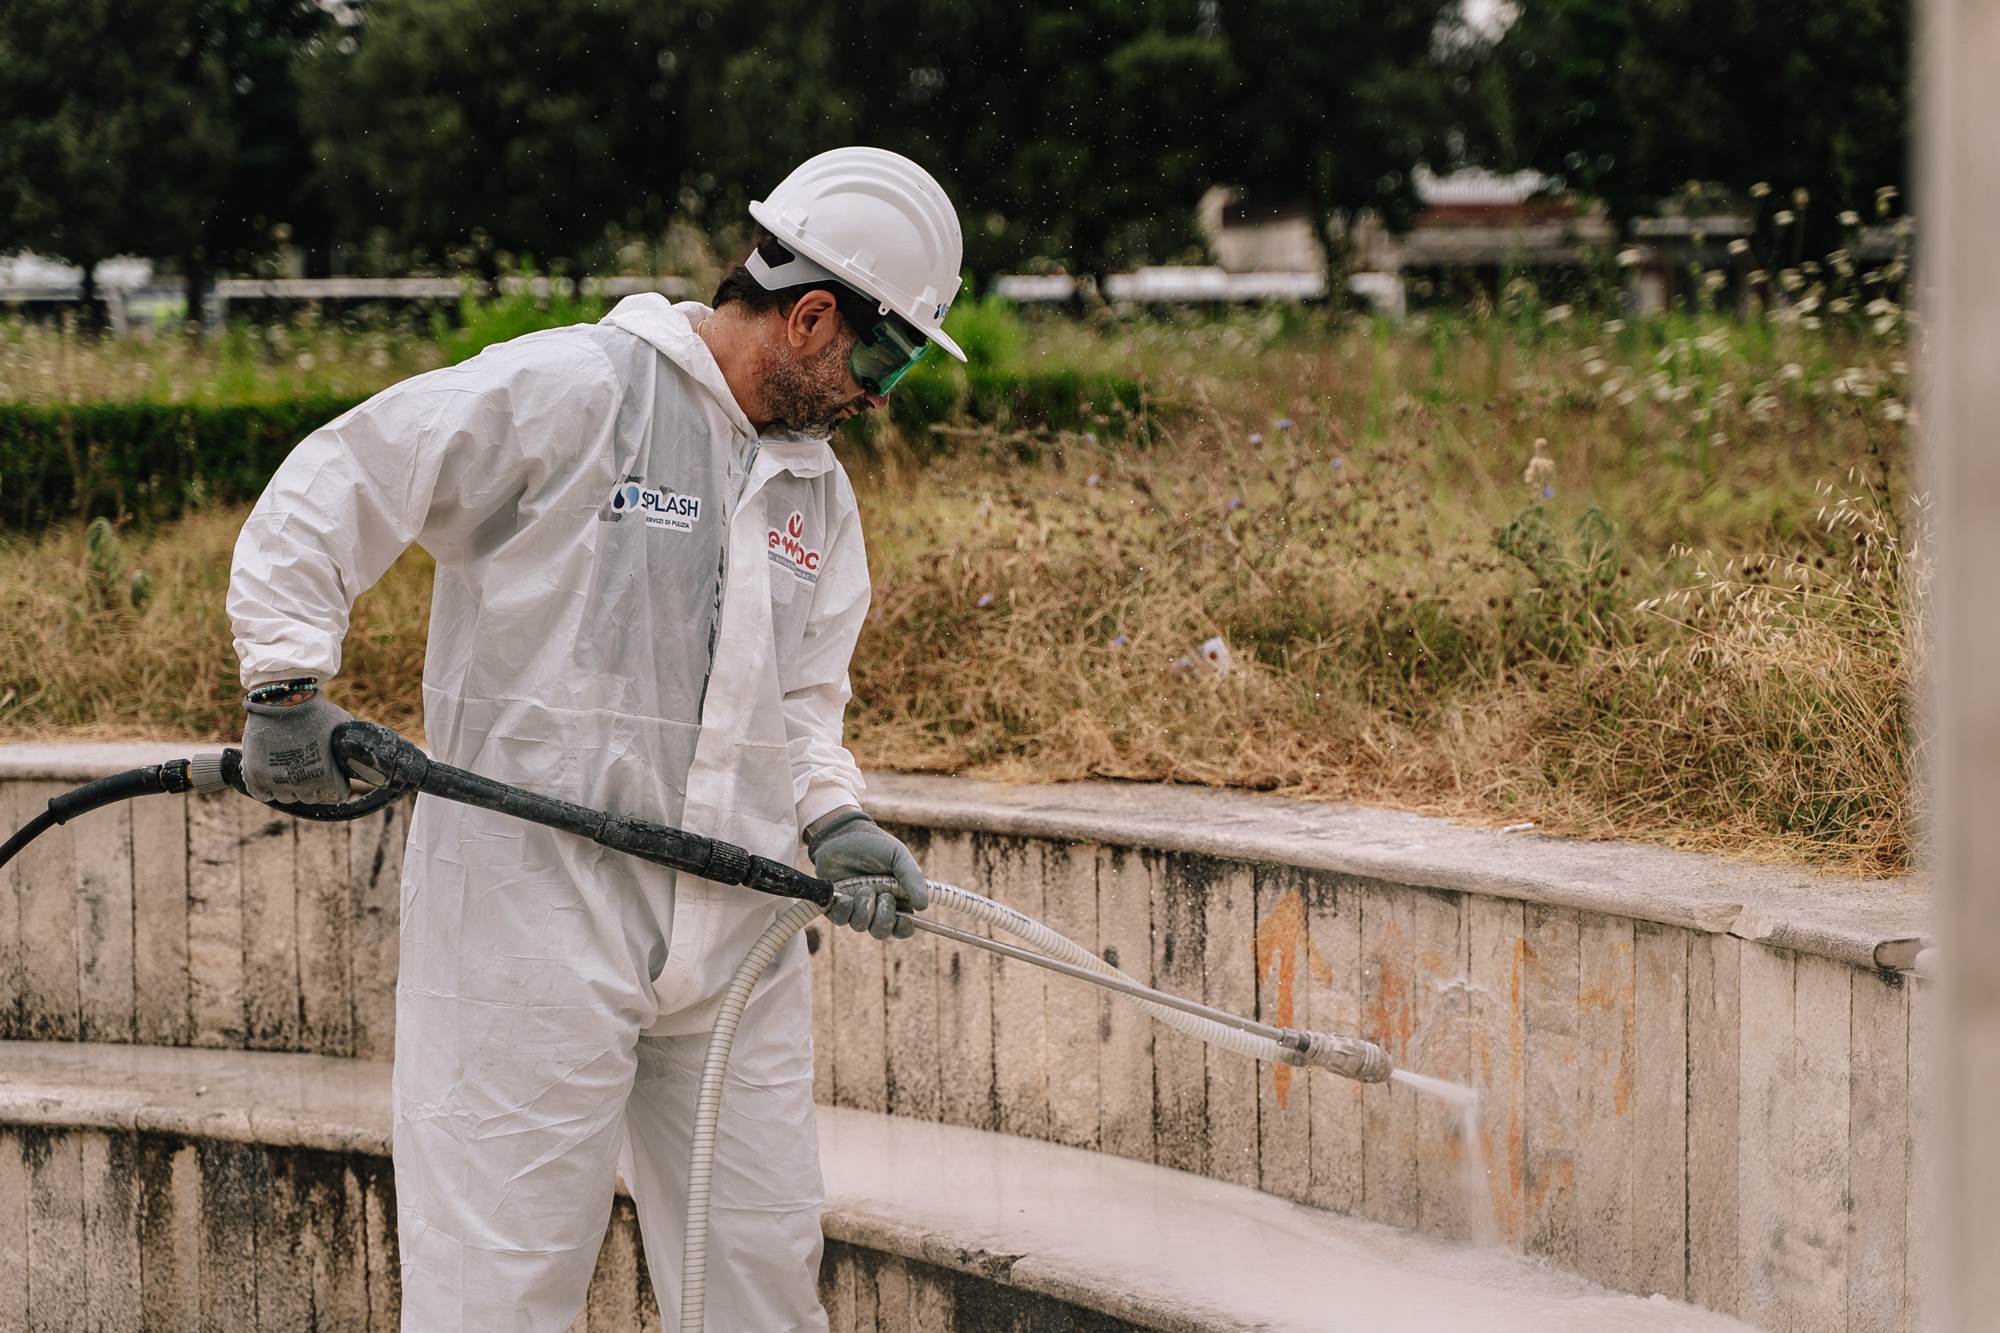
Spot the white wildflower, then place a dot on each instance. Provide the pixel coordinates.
(1849, 218)
(1739, 246)
(1760, 189)
(1784, 217)
(1631, 257)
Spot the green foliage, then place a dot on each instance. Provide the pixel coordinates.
(462, 128)
(1630, 101)
(147, 460)
(988, 330)
(1573, 599)
(483, 322)
(110, 136)
(104, 571)
(151, 461)
(1336, 101)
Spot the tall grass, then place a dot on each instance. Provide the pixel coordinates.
(1646, 579)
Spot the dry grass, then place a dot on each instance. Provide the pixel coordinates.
(1667, 628)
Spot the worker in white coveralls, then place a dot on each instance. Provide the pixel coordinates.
(650, 578)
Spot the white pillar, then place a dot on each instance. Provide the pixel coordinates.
(1958, 255)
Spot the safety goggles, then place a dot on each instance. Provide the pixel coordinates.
(884, 352)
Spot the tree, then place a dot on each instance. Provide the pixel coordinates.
(1338, 100)
(109, 133)
(1080, 132)
(449, 124)
(1631, 99)
(261, 195)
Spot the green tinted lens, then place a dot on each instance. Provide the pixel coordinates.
(885, 354)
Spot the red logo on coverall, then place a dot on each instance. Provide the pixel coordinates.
(789, 550)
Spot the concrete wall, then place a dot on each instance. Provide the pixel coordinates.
(1669, 1106)
(151, 1231)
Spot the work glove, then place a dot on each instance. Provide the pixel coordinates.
(288, 748)
(849, 845)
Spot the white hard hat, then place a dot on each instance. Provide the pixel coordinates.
(874, 221)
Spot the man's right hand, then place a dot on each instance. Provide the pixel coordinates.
(288, 750)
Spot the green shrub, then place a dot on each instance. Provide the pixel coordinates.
(147, 460)
(485, 321)
(151, 461)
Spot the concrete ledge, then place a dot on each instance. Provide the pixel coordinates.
(1158, 1248)
(1863, 923)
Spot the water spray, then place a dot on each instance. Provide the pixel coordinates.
(378, 756)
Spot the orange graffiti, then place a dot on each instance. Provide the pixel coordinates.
(1279, 937)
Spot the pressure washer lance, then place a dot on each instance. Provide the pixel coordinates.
(395, 767)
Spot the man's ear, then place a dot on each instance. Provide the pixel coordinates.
(813, 323)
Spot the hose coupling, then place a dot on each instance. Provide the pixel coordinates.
(1349, 1057)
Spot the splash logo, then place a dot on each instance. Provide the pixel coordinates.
(788, 549)
(658, 506)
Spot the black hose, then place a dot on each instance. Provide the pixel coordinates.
(30, 831)
(376, 754)
(154, 779)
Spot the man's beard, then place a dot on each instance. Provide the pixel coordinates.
(808, 395)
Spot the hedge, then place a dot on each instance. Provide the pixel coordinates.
(151, 461)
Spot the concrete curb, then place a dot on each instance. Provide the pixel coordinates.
(1880, 924)
(1863, 923)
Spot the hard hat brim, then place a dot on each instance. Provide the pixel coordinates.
(837, 265)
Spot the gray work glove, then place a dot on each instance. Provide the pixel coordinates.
(288, 751)
(847, 845)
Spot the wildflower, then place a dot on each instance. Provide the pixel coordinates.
(1286, 423)
(1791, 371)
(1541, 467)
(1235, 503)
(1717, 440)
(1339, 462)
(1784, 217)
(306, 361)
(1884, 325)
(1120, 640)
(1739, 246)
(1555, 314)
(1760, 189)
(1594, 367)
(1256, 437)
(1548, 492)
(1810, 322)
(1614, 326)
(1840, 305)
(1631, 256)
(1093, 480)
(1791, 279)
(1893, 410)
(1800, 198)
(985, 600)
(1849, 218)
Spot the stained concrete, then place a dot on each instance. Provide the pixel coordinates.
(1159, 1248)
(1864, 923)
(1637, 1126)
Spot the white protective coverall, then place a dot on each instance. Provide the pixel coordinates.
(640, 606)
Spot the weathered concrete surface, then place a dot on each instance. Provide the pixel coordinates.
(1669, 1107)
(1864, 923)
(279, 1207)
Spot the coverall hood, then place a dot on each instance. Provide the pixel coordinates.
(669, 326)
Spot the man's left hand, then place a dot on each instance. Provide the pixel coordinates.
(848, 845)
